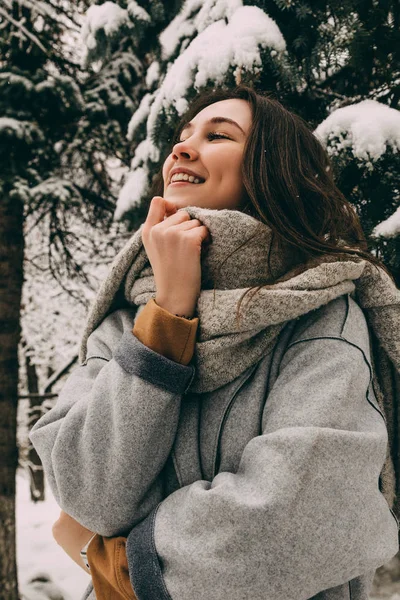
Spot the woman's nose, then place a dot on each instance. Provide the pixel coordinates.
(183, 153)
(185, 150)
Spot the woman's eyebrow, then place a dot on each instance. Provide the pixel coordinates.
(216, 120)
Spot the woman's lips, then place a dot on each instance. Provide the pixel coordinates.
(183, 183)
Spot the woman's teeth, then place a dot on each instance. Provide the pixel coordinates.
(184, 177)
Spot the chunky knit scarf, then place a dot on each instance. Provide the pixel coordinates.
(226, 347)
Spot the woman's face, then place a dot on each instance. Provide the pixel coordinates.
(213, 152)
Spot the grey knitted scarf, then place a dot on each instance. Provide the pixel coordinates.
(226, 348)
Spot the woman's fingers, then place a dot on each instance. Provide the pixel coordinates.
(200, 229)
(162, 210)
(156, 211)
(170, 222)
(173, 246)
(190, 224)
(203, 233)
(159, 207)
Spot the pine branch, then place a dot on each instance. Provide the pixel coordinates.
(24, 30)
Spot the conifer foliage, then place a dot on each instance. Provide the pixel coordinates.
(47, 176)
(334, 63)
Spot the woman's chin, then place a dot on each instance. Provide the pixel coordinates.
(181, 202)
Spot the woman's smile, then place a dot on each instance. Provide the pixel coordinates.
(184, 183)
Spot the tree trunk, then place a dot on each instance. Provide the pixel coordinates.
(34, 462)
(11, 279)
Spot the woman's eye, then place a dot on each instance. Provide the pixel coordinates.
(212, 135)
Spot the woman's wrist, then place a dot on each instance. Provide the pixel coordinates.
(71, 536)
(176, 308)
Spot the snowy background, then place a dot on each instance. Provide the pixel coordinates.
(90, 93)
(37, 552)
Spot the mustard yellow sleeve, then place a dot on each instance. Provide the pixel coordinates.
(109, 568)
(161, 331)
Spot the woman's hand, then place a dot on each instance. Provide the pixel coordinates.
(172, 241)
(71, 536)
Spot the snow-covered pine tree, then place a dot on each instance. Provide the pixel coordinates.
(36, 105)
(48, 176)
(53, 312)
(319, 59)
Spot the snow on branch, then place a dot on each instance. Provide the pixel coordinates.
(28, 34)
(367, 128)
(137, 13)
(108, 17)
(389, 228)
(153, 74)
(235, 42)
(181, 27)
(134, 187)
(22, 130)
(140, 115)
(230, 36)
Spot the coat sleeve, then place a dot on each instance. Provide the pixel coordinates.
(104, 444)
(303, 512)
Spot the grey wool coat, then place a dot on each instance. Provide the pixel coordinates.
(266, 488)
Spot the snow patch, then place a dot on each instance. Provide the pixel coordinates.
(367, 128)
(140, 115)
(21, 129)
(145, 151)
(108, 16)
(37, 551)
(180, 27)
(213, 51)
(134, 188)
(16, 81)
(389, 228)
(153, 73)
(137, 13)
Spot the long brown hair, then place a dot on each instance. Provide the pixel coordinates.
(289, 183)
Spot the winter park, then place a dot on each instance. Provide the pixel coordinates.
(199, 300)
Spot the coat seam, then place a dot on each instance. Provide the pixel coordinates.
(324, 337)
(177, 471)
(225, 415)
(185, 346)
(346, 314)
(393, 515)
(342, 339)
(94, 356)
(192, 374)
(274, 351)
(153, 545)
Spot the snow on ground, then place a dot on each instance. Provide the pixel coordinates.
(37, 552)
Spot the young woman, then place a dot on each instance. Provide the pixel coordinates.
(204, 453)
